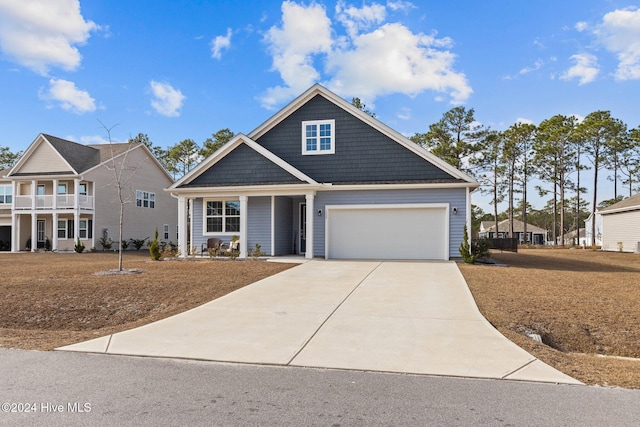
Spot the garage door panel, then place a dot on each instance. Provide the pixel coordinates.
(387, 233)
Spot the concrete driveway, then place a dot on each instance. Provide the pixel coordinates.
(411, 317)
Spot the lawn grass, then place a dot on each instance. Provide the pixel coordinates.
(54, 299)
(584, 304)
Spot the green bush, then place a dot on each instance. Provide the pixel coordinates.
(479, 249)
(79, 247)
(138, 243)
(154, 247)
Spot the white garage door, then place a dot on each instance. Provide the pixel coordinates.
(412, 231)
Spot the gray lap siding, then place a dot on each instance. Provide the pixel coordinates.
(286, 216)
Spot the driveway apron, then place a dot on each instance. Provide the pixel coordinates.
(410, 317)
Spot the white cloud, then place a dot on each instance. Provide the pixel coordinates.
(375, 59)
(404, 6)
(404, 113)
(356, 19)
(166, 100)
(97, 139)
(619, 32)
(536, 66)
(40, 34)
(585, 69)
(69, 97)
(524, 121)
(305, 31)
(581, 26)
(392, 59)
(220, 43)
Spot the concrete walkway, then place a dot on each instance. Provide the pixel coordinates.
(411, 317)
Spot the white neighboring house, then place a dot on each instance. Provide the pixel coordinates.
(621, 226)
(535, 235)
(60, 191)
(597, 217)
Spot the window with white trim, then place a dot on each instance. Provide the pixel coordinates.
(318, 137)
(222, 216)
(83, 229)
(145, 199)
(165, 229)
(6, 194)
(62, 229)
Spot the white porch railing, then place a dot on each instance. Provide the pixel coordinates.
(63, 201)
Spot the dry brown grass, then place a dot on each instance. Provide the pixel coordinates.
(49, 299)
(583, 303)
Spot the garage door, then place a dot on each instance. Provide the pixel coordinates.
(412, 231)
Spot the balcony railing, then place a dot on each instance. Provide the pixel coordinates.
(62, 201)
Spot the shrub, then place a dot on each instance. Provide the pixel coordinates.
(79, 247)
(106, 243)
(138, 243)
(479, 249)
(154, 247)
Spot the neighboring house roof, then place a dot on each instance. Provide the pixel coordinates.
(79, 157)
(628, 204)
(572, 234)
(367, 152)
(75, 158)
(503, 227)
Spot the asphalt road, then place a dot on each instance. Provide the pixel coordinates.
(63, 388)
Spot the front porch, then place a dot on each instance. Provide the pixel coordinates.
(280, 225)
(55, 231)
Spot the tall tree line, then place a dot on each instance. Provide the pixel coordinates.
(554, 152)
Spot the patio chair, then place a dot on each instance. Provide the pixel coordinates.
(213, 244)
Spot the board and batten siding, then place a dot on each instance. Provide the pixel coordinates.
(623, 227)
(454, 197)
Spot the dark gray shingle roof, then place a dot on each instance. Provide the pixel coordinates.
(80, 157)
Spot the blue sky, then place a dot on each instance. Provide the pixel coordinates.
(185, 69)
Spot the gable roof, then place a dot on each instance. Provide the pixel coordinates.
(319, 90)
(410, 163)
(77, 157)
(263, 161)
(628, 204)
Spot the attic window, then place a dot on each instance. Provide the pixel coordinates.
(318, 137)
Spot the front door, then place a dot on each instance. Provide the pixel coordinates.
(41, 233)
(303, 227)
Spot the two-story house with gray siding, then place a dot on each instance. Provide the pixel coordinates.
(322, 178)
(60, 191)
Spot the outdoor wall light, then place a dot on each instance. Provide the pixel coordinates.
(319, 212)
(454, 210)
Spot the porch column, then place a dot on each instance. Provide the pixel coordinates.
(54, 231)
(76, 225)
(55, 194)
(468, 218)
(310, 229)
(34, 187)
(183, 244)
(15, 233)
(93, 230)
(243, 226)
(34, 231)
(273, 225)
